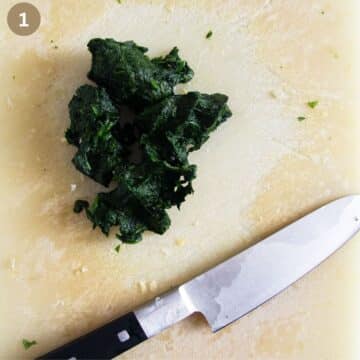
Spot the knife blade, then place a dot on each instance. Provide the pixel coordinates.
(233, 288)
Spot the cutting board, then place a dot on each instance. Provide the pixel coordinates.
(259, 171)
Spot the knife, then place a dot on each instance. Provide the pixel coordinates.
(231, 289)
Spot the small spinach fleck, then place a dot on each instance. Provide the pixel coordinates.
(28, 344)
(312, 104)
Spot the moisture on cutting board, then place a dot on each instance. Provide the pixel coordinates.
(146, 156)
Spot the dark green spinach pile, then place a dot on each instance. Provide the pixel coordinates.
(165, 129)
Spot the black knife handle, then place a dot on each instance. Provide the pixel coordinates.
(103, 343)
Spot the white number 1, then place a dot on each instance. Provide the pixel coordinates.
(23, 23)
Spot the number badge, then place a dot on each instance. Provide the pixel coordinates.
(23, 19)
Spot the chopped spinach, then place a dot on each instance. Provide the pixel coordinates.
(166, 129)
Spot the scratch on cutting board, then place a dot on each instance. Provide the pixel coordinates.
(261, 10)
(293, 151)
(244, 20)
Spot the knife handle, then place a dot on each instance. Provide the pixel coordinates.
(105, 342)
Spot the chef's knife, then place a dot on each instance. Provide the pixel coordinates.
(232, 289)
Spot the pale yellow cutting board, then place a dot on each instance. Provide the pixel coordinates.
(259, 171)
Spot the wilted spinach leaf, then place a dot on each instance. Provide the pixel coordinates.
(129, 75)
(93, 120)
(180, 124)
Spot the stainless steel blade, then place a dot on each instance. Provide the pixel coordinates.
(242, 283)
(235, 287)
